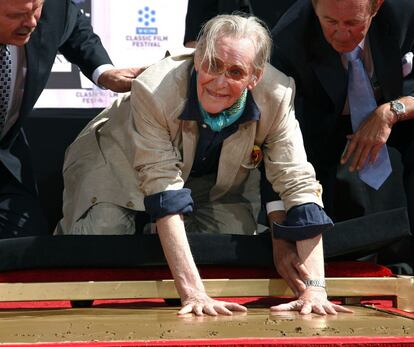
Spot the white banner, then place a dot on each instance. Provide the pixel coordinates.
(134, 32)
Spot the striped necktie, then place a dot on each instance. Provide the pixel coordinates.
(361, 103)
(5, 83)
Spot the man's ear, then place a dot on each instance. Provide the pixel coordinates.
(257, 76)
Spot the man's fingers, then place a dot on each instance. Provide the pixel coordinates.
(290, 306)
(212, 308)
(292, 283)
(339, 308)
(198, 309)
(302, 270)
(346, 153)
(355, 159)
(363, 157)
(374, 153)
(306, 308)
(318, 309)
(223, 310)
(299, 286)
(329, 309)
(235, 307)
(211, 311)
(186, 309)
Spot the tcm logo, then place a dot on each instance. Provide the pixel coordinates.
(146, 20)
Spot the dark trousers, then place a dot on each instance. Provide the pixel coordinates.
(20, 212)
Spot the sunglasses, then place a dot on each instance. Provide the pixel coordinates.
(217, 67)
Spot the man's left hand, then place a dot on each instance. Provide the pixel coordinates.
(313, 300)
(119, 80)
(364, 145)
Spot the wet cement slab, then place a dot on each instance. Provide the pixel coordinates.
(132, 324)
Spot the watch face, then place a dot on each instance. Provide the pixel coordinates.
(398, 106)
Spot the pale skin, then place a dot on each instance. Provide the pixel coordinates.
(18, 20)
(187, 279)
(345, 24)
(216, 91)
(296, 262)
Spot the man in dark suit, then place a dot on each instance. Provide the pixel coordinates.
(310, 41)
(31, 33)
(200, 11)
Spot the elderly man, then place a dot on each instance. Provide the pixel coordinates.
(352, 63)
(31, 33)
(182, 147)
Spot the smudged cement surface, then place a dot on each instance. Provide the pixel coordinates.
(126, 324)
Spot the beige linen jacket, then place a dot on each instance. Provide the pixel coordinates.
(138, 146)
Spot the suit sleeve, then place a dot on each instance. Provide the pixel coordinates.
(198, 12)
(79, 44)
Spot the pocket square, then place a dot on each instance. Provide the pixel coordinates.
(256, 157)
(407, 63)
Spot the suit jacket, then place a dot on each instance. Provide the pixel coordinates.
(61, 28)
(200, 11)
(139, 146)
(302, 52)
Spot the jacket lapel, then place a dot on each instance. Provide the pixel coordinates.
(234, 152)
(386, 56)
(190, 139)
(32, 72)
(327, 65)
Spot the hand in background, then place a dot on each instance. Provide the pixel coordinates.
(119, 80)
(289, 265)
(365, 144)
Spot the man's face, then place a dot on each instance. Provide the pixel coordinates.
(345, 23)
(221, 83)
(18, 19)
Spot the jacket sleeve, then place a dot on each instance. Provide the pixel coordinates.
(287, 167)
(79, 44)
(155, 157)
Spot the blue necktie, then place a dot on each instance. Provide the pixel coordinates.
(5, 83)
(361, 103)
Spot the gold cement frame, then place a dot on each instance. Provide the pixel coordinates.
(401, 288)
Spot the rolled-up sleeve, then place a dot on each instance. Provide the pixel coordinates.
(169, 202)
(303, 222)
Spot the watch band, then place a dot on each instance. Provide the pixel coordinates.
(315, 283)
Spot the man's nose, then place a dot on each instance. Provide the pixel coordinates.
(30, 21)
(342, 34)
(221, 79)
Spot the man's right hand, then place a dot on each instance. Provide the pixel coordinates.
(289, 265)
(200, 303)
